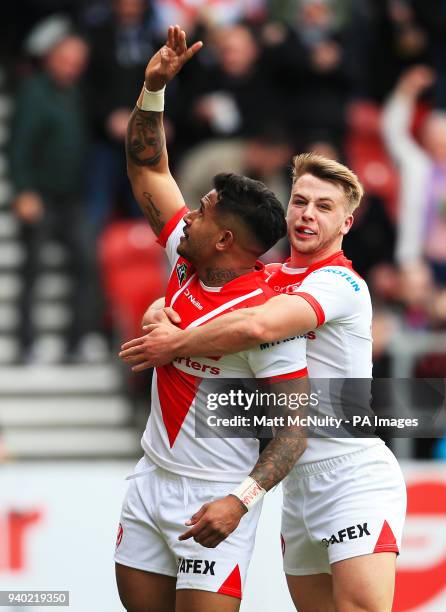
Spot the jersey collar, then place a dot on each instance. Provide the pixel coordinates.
(336, 259)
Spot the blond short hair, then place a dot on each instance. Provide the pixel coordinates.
(330, 170)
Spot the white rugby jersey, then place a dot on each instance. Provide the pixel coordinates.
(341, 345)
(177, 396)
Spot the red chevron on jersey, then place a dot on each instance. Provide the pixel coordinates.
(180, 400)
(175, 388)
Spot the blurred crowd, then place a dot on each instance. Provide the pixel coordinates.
(362, 81)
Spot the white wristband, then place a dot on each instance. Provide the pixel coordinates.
(152, 100)
(249, 492)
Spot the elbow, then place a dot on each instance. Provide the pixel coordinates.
(262, 331)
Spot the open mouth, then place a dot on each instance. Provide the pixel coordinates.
(305, 231)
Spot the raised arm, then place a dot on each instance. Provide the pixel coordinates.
(412, 159)
(153, 185)
(281, 317)
(398, 111)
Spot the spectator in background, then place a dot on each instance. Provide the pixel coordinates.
(421, 232)
(431, 14)
(422, 219)
(371, 244)
(190, 13)
(48, 153)
(120, 46)
(264, 157)
(398, 40)
(232, 95)
(315, 60)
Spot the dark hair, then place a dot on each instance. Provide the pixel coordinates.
(254, 204)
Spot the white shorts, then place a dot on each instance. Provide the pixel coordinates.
(341, 508)
(154, 513)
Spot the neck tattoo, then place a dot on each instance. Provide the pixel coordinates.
(215, 277)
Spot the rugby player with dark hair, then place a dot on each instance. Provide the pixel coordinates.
(219, 481)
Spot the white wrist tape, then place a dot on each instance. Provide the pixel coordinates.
(152, 100)
(249, 492)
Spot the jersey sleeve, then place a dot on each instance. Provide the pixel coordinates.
(281, 360)
(333, 293)
(170, 235)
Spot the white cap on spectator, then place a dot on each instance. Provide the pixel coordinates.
(46, 34)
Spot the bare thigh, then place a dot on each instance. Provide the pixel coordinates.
(311, 593)
(360, 584)
(141, 591)
(365, 583)
(192, 600)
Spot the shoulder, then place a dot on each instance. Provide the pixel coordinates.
(338, 292)
(338, 277)
(173, 226)
(260, 281)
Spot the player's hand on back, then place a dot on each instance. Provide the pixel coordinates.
(214, 521)
(169, 60)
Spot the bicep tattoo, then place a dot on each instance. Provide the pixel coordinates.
(152, 213)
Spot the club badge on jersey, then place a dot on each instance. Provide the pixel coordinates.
(181, 270)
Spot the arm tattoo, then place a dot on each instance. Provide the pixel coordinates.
(152, 213)
(289, 441)
(145, 142)
(277, 459)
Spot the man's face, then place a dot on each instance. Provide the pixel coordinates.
(129, 12)
(201, 231)
(67, 61)
(317, 217)
(237, 50)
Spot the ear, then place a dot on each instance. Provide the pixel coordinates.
(345, 227)
(225, 241)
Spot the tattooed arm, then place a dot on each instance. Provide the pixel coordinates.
(288, 443)
(153, 185)
(215, 520)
